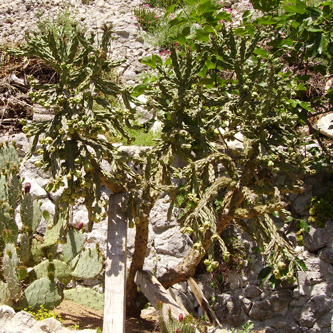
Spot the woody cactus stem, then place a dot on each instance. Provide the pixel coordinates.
(141, 241)
(188, 265)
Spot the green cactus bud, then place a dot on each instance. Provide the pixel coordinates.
(210, 268)
(281, 265)
(207, 262)
(197, 246)
(207, 224)
(226, 256)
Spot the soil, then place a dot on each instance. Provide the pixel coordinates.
(79, 317)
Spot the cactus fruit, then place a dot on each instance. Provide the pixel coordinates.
(89, 265)
(43, 292)
(86, 297)
(27, 187)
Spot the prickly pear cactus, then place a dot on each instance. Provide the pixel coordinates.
(31, 213)
(62, 271)
(29, 250)
(89, 265)
(10, 262)
(86, 297)
(74, 244)
(54, 231)
(5, 294)
(43, 292)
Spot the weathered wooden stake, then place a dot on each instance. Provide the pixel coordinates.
(155, 293)
(115, 270)
(199, 295)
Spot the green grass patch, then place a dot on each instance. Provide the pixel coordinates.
(142, 138)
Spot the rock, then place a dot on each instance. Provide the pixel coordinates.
(325, 125)
(229, 309)
(11, 322)
(252, 291)
(274, 305)
(160, 208)
(313, 310)
(300, 202)
(327, 255)
(318, 238)
(321, 305)
(182, 291)
(6, 312)
(205, 283)
(50, 325)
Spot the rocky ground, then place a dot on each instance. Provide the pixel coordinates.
(19, 16)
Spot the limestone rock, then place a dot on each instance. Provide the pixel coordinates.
(325, 125)
(252, 291)
(318, 238)
(274, 305)
(229, 309)
(327, 255)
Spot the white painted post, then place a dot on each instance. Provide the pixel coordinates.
(115, 270)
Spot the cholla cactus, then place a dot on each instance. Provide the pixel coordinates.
(85, 102)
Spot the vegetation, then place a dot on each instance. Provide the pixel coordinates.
(30, 271)
(43, 313)
(231, 101)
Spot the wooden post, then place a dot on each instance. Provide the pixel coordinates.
(155, 293)
(203, 302)
(115, 270)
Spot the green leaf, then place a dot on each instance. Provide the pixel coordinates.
(152, 61)
(304, 225)
(170, 10)
(139, 90)
(264, 273)
(315, 14)
(263, 53)
(265, 5)
(300, 264)
(267, 20)
(177, 21)
(306, 106)
(223, 16)
(274, 282)
(180, 38)
(201, 35)
(206, 81)
(295, 7)
(149, 62)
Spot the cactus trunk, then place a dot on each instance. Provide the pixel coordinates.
(140, 251)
